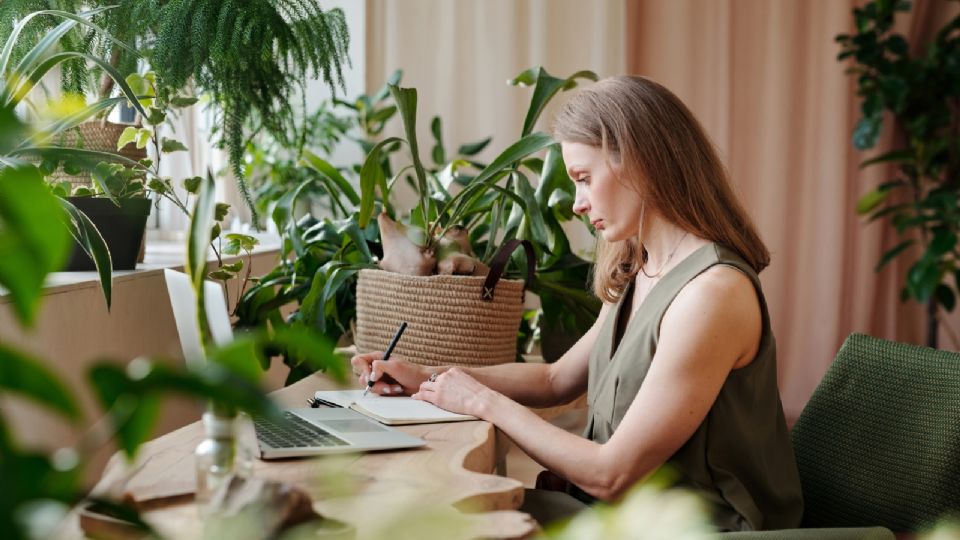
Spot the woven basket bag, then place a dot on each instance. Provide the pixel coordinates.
(464, 321)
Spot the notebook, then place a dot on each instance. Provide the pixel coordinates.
(298, 432)
(393, 411)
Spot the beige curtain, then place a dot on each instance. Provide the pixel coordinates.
(763, 78)
(459, 54)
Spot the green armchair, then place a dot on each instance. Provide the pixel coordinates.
(878, 444)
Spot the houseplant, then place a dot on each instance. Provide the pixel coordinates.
(252, 61)
(319, 276)
(40, 486)
(921, 94)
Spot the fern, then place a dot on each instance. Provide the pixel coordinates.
(252, 56)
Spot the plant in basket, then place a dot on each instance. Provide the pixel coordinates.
(430, 274)
(467, 204)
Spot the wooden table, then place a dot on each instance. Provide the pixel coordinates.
(447, 485)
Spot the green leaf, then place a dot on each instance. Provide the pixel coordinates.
(85, 233)
(323, 167)
(532, 210)
(222, 275)
(546, 88)
(155, 116)
(237, 242)
(143, 137)
(128, 136)
(171, 145)
(946, 297)
(283, 211)
(922, 279)
(314, 348)
(132, 413)
(472, 149)
(240, 356)
(892, 253)
(438, 154)
(895, 156)
(220, 211)
(406, 99)
(33, 239)
(201, 222)
(943, 242)
(371, 176)
(867, 131)
(233, 267)
(183, 101)
(871, 200)
(22, 374)
(192, 184)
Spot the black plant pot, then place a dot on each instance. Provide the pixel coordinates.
(121, 227)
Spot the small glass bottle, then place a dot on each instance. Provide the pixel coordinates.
(215, 457)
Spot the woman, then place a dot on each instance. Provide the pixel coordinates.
(680, 366)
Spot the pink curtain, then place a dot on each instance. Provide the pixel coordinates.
(763, 78)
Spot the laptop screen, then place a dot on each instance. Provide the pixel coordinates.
(183, 301)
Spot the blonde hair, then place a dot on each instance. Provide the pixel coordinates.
(663, 152)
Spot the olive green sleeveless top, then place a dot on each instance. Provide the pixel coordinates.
(740, 457)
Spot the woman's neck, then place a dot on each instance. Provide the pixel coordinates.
(663, 242)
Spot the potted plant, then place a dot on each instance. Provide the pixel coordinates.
(252, 77)
(921, 94)
(318, 274)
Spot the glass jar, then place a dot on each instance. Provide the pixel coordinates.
(224, 452)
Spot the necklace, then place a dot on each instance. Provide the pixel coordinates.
(666, 262)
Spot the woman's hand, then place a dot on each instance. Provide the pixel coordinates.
(456, 391)
(393, 377)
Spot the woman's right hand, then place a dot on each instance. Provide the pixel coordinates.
(396, 376)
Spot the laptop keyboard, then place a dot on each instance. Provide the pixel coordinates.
(294, 432)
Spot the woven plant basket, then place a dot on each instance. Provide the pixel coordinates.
(94, 135)
(450, 319)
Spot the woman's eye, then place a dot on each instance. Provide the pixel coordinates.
(583, 180)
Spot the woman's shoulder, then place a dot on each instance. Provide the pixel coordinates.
(721, 302)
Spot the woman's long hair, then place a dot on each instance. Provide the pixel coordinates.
(662, 151)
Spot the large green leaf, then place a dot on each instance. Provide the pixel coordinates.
(323, 167)
(33, 238)
(494, 171)
(547, 86)
(22, 374)
(201, 223)
(85, 233)
(371, 176)
(47, 42)
(406, 99)
(316, 350)
(130, 394)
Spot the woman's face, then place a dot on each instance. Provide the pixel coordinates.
(613, 208)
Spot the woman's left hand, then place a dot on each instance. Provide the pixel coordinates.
(456, 391)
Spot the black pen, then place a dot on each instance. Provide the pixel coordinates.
(386, 354)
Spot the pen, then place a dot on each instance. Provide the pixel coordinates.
(387, 353)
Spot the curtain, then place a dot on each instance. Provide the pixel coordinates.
(763, 78)
(459, 55)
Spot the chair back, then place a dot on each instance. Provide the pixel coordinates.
(879, 441)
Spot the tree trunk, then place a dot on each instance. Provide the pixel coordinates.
(932, 323)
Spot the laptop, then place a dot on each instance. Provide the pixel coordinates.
(299, 432)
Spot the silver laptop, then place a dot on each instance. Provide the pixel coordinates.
(300, 432)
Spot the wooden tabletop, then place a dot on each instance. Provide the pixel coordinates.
(448, 484)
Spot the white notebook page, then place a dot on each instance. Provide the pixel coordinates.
(393, 408)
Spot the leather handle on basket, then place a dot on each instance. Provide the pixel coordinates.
(499, 263)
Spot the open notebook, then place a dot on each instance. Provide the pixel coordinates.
(392, 411)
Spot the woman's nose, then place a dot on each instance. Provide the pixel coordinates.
(580, 204)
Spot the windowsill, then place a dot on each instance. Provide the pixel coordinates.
(161, 253)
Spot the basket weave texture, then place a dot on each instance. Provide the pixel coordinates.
(448, 323)
(94, 135)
